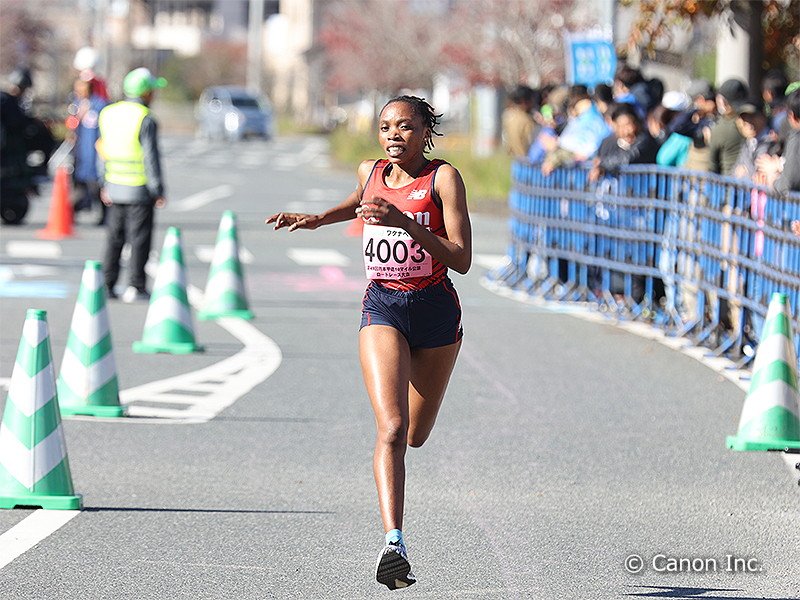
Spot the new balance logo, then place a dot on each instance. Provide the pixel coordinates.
(423, 218)
(417, 195)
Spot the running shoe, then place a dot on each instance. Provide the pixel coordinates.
(132, 294)
(394, 570)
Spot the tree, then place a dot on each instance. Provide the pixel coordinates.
(511, 42)
(22, 36)
(366, 40)
(219, 63)
(387, 45)
(779, 19)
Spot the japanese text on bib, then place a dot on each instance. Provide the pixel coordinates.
(390, 253)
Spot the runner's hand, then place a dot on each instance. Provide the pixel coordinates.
(380, 211)
(294, 221)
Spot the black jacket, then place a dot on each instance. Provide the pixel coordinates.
(789, 180)
(612, 156)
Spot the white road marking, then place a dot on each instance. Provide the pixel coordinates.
(33, 249)
(218, 385)
(210, 390)
(9, 273)
(205, 254)
(317, 257)
(234, 377)
(30, 531)
(310, 206)
(318, 195)
(202, 198)
(34, 270)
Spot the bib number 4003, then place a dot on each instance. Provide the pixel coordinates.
(384, 251)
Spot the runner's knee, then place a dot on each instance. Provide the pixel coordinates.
(392, 432)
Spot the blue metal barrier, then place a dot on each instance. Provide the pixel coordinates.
(694, 253)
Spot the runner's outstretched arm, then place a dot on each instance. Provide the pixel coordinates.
(344, 211)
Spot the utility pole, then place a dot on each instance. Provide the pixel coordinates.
(100, 38)
(255, 28)
(607, 11)
(740, 46)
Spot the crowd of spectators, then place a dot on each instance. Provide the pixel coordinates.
(728, 130)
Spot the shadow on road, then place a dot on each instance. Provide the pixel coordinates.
(270, 419)
(204, 510)
(694, 592)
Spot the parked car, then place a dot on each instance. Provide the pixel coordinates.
(233, 113)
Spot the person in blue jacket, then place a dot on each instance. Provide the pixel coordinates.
(586, 128)
(86, 177)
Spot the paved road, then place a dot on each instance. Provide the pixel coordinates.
(562, 448)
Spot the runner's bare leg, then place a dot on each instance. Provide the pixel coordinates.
(404, 414)
(386, 366)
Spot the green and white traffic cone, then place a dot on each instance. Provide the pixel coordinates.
(225, 295)
(770, 414)
(87, 383)
(34, 469)
(168, 326)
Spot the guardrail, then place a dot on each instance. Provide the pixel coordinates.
(694, 253)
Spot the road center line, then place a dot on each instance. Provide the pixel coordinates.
(30, 531)
(33, 249)
(202, 198)
(317, 257)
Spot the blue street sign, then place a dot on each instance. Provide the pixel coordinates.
(590, 61)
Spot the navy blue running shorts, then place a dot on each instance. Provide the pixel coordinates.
(428, 318)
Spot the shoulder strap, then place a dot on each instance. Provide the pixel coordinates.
(435, 164)
(369, 177)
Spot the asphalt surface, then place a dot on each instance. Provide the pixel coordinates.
(562, 448)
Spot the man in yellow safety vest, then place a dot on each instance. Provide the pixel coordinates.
(133, 184)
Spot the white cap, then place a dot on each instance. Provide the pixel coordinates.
(85, 58)
(675, 100)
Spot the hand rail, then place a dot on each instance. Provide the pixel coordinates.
(695, 253)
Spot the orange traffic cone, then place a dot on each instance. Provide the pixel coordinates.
(59, 222)
(355, 227)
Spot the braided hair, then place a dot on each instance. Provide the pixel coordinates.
(419, 106)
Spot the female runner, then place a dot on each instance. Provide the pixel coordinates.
(416, 228)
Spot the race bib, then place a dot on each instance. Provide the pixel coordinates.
(390, 253)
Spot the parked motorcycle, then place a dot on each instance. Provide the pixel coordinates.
(23, 167)
(26, 145)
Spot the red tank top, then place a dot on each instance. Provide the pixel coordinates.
(416, 200)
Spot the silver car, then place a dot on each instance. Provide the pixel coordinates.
(229, 112)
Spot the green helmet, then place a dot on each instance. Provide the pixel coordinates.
(140, 81)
